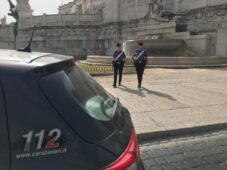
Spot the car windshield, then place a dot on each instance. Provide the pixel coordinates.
(81, 101)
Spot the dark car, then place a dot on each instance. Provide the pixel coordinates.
(54, 116)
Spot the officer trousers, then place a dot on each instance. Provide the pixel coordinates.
(140, 70)
(118, 69)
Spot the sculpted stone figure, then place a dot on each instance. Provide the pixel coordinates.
(82, 7)
(156, 8)
(12, 11)
(158, 13)
(3, 20)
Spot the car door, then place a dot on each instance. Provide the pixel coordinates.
(4, 137)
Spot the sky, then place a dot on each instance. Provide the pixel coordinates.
(39, 7)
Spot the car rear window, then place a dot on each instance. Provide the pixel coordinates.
(82, 102)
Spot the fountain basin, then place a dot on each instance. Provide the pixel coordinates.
(158, 47)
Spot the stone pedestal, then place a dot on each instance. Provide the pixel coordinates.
(24, 11)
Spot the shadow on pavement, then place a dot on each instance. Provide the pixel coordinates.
(164, 95)
(132, 91)
(141, 92)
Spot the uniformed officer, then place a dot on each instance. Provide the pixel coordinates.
(140, 61)
(118, 64)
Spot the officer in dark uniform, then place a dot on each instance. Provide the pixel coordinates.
(118, 64)
(140, 61)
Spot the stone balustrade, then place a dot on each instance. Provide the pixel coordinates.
(60, 19)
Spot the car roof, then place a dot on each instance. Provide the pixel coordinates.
(25, 60)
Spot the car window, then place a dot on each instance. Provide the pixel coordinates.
(89, 95)
(4, 143)
(87, 107)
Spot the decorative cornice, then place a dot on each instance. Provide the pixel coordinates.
(205, 13)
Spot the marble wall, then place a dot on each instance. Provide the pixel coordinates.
(199, 23)
(221, 41)
(7, 37)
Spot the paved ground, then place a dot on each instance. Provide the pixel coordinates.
(205, 152)
(174, 98)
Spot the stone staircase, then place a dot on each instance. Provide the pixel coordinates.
(165, 61)
(210, 61)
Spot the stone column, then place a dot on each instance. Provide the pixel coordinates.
(44, 19)
(59, 18)
(117, 19)
(84, 6)
(77, 18)
(177, 5)
(32, 21)
(221, 47)
(91, 7)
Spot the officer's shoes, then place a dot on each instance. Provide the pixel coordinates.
(119, 84)
(114, 86)
(139, 87)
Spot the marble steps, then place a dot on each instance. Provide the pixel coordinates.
(173, 61)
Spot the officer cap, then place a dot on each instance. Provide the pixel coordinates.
(118, 45)
(140, 43)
